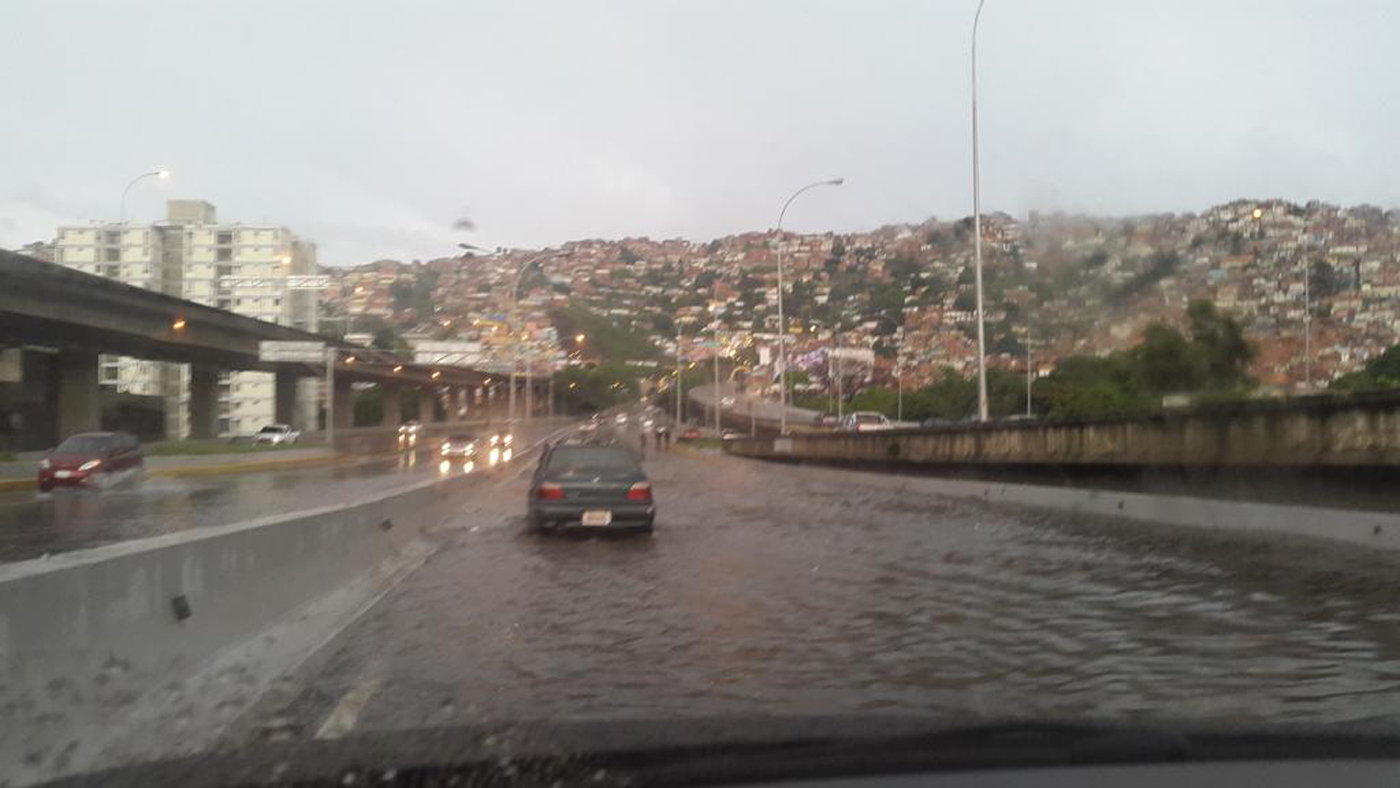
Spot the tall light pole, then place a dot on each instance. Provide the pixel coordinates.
(716, 311)
(1030, 377)
(899, 397)
(162, 174)
(679, 388)
(1307, 326)
(782, 324)
(977, 234)
(515, 339)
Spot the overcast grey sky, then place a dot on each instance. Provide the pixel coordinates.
(369, 127)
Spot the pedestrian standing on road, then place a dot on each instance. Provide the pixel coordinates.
(642, 438)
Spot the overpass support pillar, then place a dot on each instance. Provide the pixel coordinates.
(461, 402)
(204, 401)
(428, 405)
(78, 407)
(285, 399)
(391, 399)
(344, 404)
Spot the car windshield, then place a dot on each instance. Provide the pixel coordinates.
(512, 375)
(85, 444)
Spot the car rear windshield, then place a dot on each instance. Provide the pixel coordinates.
(273, 429)
(868, 418)
(84, 444)
(461, 439)
(579, 460)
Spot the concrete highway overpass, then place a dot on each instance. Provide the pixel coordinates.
(71, 317)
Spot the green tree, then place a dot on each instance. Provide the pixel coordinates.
(1381, 372)
(1220, 340)
(1323, 281)
(1166, 362)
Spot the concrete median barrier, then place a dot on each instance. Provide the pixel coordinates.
(87, 637)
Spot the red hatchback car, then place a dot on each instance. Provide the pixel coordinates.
(90, 458)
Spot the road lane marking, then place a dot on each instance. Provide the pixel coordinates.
(343, 717)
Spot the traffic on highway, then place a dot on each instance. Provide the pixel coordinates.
(684, 394)
(87, 497)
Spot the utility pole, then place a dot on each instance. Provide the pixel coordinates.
(529, 386)
(840, 389)
(679, 388)
(330, 397)
(977, 234)
(1307, 326)
(1029, 375)
(719, 404)
(899, 407)
(830, 382)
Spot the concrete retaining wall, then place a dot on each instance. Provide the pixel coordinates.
(83, 636)
(1342, 431)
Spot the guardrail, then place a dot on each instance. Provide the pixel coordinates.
(84, 636)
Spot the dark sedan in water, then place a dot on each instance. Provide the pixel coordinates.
(90, 458)
(590, 487)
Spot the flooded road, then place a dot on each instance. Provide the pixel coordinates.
(767, 592)
(34, 524)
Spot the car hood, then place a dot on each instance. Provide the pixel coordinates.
(724, 751)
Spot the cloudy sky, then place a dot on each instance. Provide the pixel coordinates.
(369, 127)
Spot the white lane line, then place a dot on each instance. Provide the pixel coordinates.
(342, 718)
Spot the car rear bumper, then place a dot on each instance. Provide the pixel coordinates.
(570, 515)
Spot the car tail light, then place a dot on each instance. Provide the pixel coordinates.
(641, 491)
(549, 492)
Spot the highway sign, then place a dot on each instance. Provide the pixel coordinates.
(291, 352)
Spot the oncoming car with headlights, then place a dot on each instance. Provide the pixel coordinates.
(500, 447)
(461, 446)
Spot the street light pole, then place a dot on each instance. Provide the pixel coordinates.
(680, 390)
(152, 174)
(515, 339)
(330, 397)
(977, 234)
(1029, 375)
(782, 325)
(1307, 326)
(899, 407)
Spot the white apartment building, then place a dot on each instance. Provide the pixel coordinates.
(252, 270)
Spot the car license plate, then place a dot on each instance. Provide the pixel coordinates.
(62, 474)
(597, 517)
